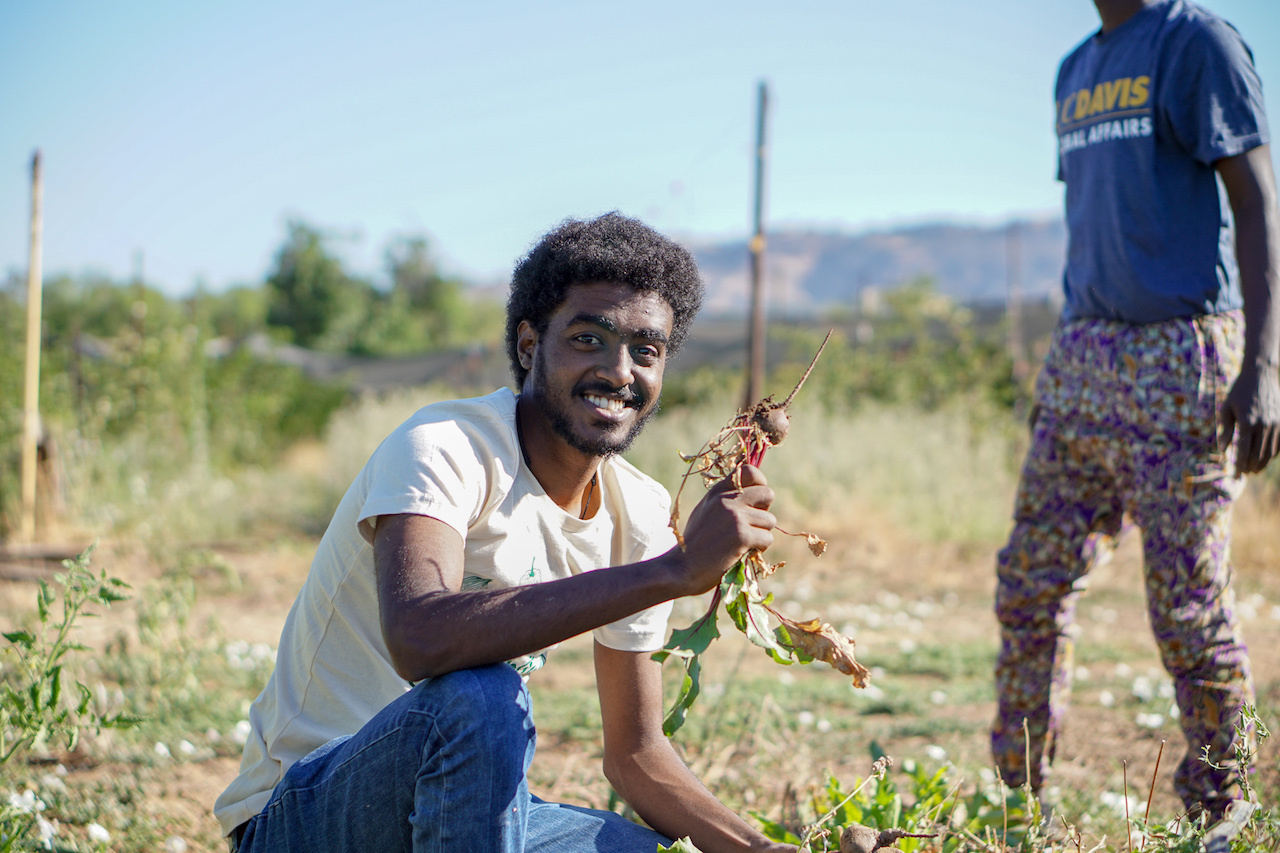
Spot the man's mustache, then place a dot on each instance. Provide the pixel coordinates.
(628, 395)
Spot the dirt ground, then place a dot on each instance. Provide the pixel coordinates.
(1102, 747)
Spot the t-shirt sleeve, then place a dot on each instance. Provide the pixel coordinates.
(645, 631)
(1213, 100)
(431, 469)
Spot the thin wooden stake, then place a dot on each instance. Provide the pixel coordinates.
(1146, 818)
(756, 326)
(1128, 829)
(31, 381)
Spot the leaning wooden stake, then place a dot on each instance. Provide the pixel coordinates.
(31, 384)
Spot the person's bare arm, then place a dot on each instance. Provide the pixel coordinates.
(431, 626)
(1252, 407)
(645, 770)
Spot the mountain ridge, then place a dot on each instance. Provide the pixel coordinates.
(809, 272)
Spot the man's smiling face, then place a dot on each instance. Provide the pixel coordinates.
(595, 374)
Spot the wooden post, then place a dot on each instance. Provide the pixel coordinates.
(756, 326)
(31, 383)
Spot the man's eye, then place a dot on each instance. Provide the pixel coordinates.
(588, 339)
(646, 353)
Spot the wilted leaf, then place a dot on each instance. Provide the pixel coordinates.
(817, 544)
(822, 642)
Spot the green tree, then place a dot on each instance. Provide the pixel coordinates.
(439, 305)
(313, 296)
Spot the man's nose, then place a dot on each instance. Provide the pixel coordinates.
(618, 367)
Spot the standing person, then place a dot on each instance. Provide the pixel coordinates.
(480, 534)
(1160, 390)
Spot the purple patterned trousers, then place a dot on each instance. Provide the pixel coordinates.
(1127, 422)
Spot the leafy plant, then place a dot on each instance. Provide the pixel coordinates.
(744, 441)
(40, 701)
(934, 817)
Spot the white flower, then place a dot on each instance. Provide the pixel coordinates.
(186, 747)
(240, 734)
(1082, 673)
(805, 718)
(871, 691)
(53, 782)
(935, 752)
(1106, 698)
(98, 833)
(824, 725)
(1118, 803)
(27, 802)
(1150, 721)
(47, 831)
(162, 750)
(175, 844)
(906, 645)
(1142, 689)
(212, 735)
(938, 697)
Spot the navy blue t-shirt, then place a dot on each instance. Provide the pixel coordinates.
(1142, 114)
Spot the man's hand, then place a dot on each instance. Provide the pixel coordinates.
(1251, 415)
(1252, 409)
(731, 519)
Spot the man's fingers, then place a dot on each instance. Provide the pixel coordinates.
(742, 477)
(1226, 426)
(1264, 444)
(1273, 448)
(1246, 451)
(749, 483)
(760, 497)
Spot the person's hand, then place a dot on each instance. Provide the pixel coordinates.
(1251, 415)
(731, 519)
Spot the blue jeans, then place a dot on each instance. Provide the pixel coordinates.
(442, 768)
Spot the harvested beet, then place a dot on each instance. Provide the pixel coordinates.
(857, 838)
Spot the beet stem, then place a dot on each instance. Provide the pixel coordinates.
(795, 390)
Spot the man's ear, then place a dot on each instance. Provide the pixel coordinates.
(526, 343)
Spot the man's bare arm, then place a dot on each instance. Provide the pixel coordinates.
(1252, 408)
(431, 626)
(641, 764)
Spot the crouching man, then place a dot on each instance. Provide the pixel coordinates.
(480, 534)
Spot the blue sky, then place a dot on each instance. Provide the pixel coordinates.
(191, 132)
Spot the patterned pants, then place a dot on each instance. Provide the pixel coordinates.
(1127, 422)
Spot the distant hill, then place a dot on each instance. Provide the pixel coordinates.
(810, 272)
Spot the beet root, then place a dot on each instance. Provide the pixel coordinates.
(857, 838)
(773, 421)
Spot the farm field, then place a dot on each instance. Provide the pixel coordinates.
(913, 504)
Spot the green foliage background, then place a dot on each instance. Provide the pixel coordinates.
(182, 381)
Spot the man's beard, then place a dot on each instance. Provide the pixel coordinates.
(553, 410)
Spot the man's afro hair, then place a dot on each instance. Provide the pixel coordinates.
(611, 248)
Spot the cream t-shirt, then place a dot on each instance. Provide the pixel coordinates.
(458, 462)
